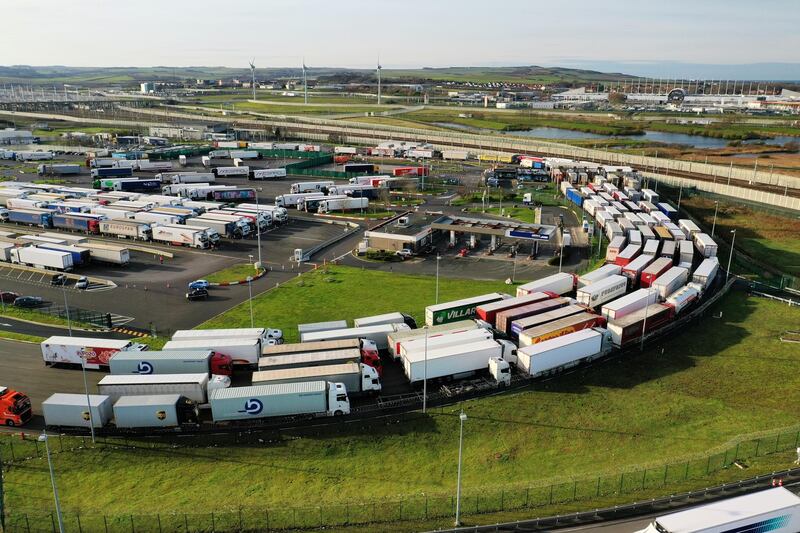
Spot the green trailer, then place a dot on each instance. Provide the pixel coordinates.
(447, 312)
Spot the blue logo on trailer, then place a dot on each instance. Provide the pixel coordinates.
(144, 368)
(252, 407)
(523, 234)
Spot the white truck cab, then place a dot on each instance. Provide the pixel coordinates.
(338, 402)
(500, 370)
(370, 382)
(509, 351)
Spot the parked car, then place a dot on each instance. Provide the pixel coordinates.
(28, 301)
(58, 279)
(8, 297)
(197, 294)
(405, 253)
(199, 284)
(82, 283)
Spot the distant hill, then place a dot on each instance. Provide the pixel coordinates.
(101, 76)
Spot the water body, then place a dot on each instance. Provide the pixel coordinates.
(696, 141)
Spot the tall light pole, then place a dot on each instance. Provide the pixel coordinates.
(730, 257)
(88, 399)
(258, 229)
(462, 418)
(438, 258)
(714, 224)
(425, 374)
(561, 255)
(43, 438)
(250, 298)
(66, 306)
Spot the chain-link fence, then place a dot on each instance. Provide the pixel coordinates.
(16, 453)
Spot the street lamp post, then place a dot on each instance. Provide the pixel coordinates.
(88, 399)
(258, 230)
(462, 418)
(66, 307)
(425, 374)
(730, 257)
(438, 258)
(714, 224)
(250, 298)
(53, 482)
(561, 254)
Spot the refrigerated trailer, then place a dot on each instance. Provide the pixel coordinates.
(387, 318)
(395, 340)
(357, 378)
(506, 318)
(563, 352)
(456, 362)
(314, 398)
(181, 235)
(244, 351)
(670, 281)
(488, 312)
(445, 339)
(603, 291)
(631, 327)
(267, 173)
(94, 352)
(705, 245)
(705, 273)
(262, 334)
(342, 204)
(42, 258)
(459, 309)
(108, 254)
(629, 303)
(598, 274)
(520, 326)
(128, 229)
(321, 326)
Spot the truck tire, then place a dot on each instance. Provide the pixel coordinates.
(10, 423)
(335, 413)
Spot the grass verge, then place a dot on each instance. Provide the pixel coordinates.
(13, 336)
(232, 273)
(32, 315)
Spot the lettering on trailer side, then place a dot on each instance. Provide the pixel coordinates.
(763, 526)
(252, 406)
(456, 314)
(144, 367)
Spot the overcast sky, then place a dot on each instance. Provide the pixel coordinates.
(406, 33)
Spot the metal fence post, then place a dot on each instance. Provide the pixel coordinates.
(105, 523)
(426, 507)
(736, 453)
(27, 524)
(551, 494)
(708, 464)
(186, 522)
(52, 522)
(527, 496)
(158, 517)
(266, 516)
(758, 444)
(621, 479)
(666, 469)
(78, 518)
(133, 527)
(401, 509)
(213, 522)
(502, 500)
(686, 472)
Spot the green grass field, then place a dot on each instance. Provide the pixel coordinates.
(232, 273)
(719, 380)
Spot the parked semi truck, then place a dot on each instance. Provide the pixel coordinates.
(311, 186)
(321, 326)
(267, 173)
(77, 410)
(264, 335)
(524, 324)
(226, 227)
(394, 340)
(357, 378)
(107, 253)
(630, 328)
(243, 351)
(58, 170)
(561, 283)
(314, 398)
(42, 258)
(195, 386)
(31, 217)
(555, 355)
(449, 338)
(367, 349)
(776, 510)
(603, 291)
(70, 221)
(387, 318)
(308, 359)
(505, 319)
(110, 172)
(561, 327)
(457, 362)
(171, 362)
(342, 204)
(181, 235)
(95, 353)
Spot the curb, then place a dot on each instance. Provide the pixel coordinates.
(239, 282)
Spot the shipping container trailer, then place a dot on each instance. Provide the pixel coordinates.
(650, 196)
(603, 291)
(243, 351)
(506, 318)
(267, 173)
(561, 283)
(634, 269)
(377, 334)
(658, 267)
(343, 204)
(488, 312)
(59, 170)
(686, 252)
(628, 254)
(107, 253)
(634, 237)
(311, 186)
(95, 353)
(598, 274)
(316, 398)
(451, 362)
(356, 377)
(689, 228)
(705, 245)
(629, 328)
(668, 249)
(80, 256)
(684, 297)
(461, 309)
(31, 217)
(614, 230)
(180, 235)
(614, 247)
(156, 411)
(77, 410)
(558, 328)
(194, 386)
(670, 281)
(170, 362)
(705, 273)
(775, 510)
(560, 353)
(71, 222)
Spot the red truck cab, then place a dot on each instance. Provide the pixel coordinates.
(15, 407)
(370, 356)
(221, 364)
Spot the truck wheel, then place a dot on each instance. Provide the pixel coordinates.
(335, 413)
(10, 423)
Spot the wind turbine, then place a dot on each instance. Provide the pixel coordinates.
(253, 76)
(305, 83)
(379, 80)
